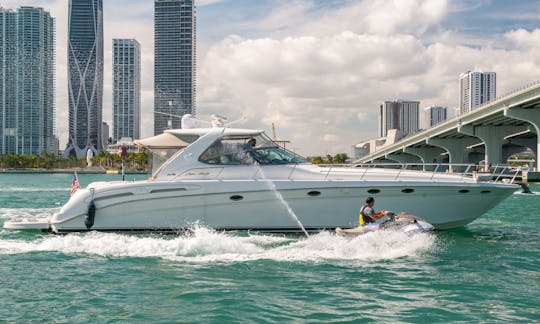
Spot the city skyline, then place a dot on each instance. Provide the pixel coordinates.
(340, 63)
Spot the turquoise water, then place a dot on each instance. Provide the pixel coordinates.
(488, 271)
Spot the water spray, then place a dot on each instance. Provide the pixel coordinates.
(279, 196)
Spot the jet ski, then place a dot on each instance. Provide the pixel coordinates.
(401, 222)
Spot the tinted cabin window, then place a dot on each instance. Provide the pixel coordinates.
(236, 151)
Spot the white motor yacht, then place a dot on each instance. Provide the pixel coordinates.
(239, 179)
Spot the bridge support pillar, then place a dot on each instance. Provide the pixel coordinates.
(426, 154)
(532, 116)
(456, 148)
(493, 138)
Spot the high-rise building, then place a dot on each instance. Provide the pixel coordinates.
(126, 89)
(27, 60)
(105, 134)
(476, 88)
(434, 115)
(85, 76)
(401, 114)
(174, 62)
(8, 81)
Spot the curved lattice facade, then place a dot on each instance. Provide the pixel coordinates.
(85, 76)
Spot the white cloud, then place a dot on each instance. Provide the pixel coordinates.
(201, 3)
(380, 17)
(331, 138)
(309, 86)
(315, 86)
(523, 38)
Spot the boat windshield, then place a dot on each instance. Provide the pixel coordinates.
(256, 150)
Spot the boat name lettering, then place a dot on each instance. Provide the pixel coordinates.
(200, 173)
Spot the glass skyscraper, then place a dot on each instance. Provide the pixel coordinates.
(85, 76)
(126, 89)
(27, 60)
(434, 115)
(174, 62)
(8, 81)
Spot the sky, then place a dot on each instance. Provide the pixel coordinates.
(319, 69)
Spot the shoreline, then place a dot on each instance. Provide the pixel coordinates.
(70, 171)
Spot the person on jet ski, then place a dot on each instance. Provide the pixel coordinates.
(367, 213)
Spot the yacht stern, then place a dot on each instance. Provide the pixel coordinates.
(41, 224)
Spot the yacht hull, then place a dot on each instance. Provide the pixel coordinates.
(317, 204)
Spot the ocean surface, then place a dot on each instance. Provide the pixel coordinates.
(488, 271)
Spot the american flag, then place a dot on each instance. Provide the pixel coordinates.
(75, 184)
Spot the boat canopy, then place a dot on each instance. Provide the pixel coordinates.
(162, 141)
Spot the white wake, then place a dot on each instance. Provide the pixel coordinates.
(205, 246)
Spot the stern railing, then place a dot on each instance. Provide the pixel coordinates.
(496, 173)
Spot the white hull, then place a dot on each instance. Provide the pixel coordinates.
(221, 181)
(183, 204)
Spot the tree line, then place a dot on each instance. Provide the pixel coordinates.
(339, 158)
(110, 161)
(45, 160)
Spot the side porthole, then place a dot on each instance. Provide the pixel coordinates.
(236, 198)
(485, 191)
(314, 193)
(373, 191)
(464, 191)
(408, 190)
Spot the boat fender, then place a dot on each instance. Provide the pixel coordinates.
(90, 215)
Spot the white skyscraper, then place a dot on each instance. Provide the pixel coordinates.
(27, 74)
(476, 88)
(434, 115)
(400, 114)
(126, 89)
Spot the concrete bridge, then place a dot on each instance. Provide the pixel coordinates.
(489, 134)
